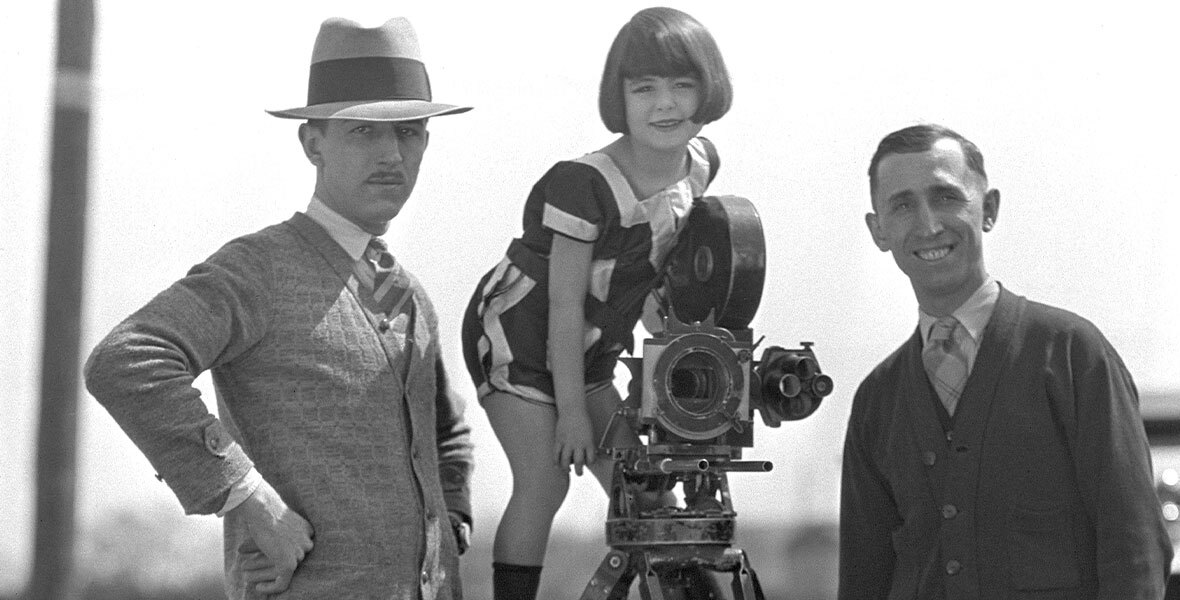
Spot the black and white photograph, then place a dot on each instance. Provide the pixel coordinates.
(525, 300)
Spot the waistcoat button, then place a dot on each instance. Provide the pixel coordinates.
(953, 567)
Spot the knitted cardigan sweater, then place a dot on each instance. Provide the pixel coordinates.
(1042, 487)
(356, 428)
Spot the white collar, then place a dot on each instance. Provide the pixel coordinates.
(973, 314)
(347, 234)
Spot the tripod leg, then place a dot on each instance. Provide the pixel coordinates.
(612, 580)
(745, 581)
(650, 586)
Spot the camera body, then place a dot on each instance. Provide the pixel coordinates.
(696, 383)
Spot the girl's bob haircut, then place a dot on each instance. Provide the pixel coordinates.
(664, 42)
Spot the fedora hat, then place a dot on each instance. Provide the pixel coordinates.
(368, 74)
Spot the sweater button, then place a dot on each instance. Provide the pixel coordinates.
(953, 567)
(949, 511)
(929, 458)
(217, 439)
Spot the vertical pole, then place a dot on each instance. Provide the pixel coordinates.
(53, 556)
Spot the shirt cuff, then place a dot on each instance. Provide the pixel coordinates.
(241, 490)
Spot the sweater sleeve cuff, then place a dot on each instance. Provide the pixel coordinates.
(240, 490)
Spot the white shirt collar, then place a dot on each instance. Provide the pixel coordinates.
(973, 314)
(351, 238)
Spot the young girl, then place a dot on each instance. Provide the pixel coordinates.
(545, 327)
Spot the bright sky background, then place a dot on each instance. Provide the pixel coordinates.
(1073, 107)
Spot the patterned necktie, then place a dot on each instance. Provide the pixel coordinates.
(945, 360)
(377, 272)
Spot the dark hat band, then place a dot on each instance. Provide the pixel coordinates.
(367, 78)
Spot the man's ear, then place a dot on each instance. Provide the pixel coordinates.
(309, 139)
(875, 230)
(991, 209)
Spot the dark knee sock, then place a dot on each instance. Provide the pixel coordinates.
(515, 582)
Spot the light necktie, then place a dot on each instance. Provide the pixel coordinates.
(945, 360)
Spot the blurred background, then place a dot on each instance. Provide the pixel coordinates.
(1073, 107)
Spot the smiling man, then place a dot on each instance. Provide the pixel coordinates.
(999, 452)
(341, 458)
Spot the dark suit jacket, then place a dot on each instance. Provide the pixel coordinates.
(1042, 487)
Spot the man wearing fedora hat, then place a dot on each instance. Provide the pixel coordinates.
(341, 458)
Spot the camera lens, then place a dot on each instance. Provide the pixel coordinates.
(699, 386)
(789, 385)
(692, 383)
(806, 367)
(821, 386)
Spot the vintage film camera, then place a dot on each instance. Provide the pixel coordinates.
(692, 397)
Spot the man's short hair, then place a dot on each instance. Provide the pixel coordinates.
(921, 138)
(664, 42)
